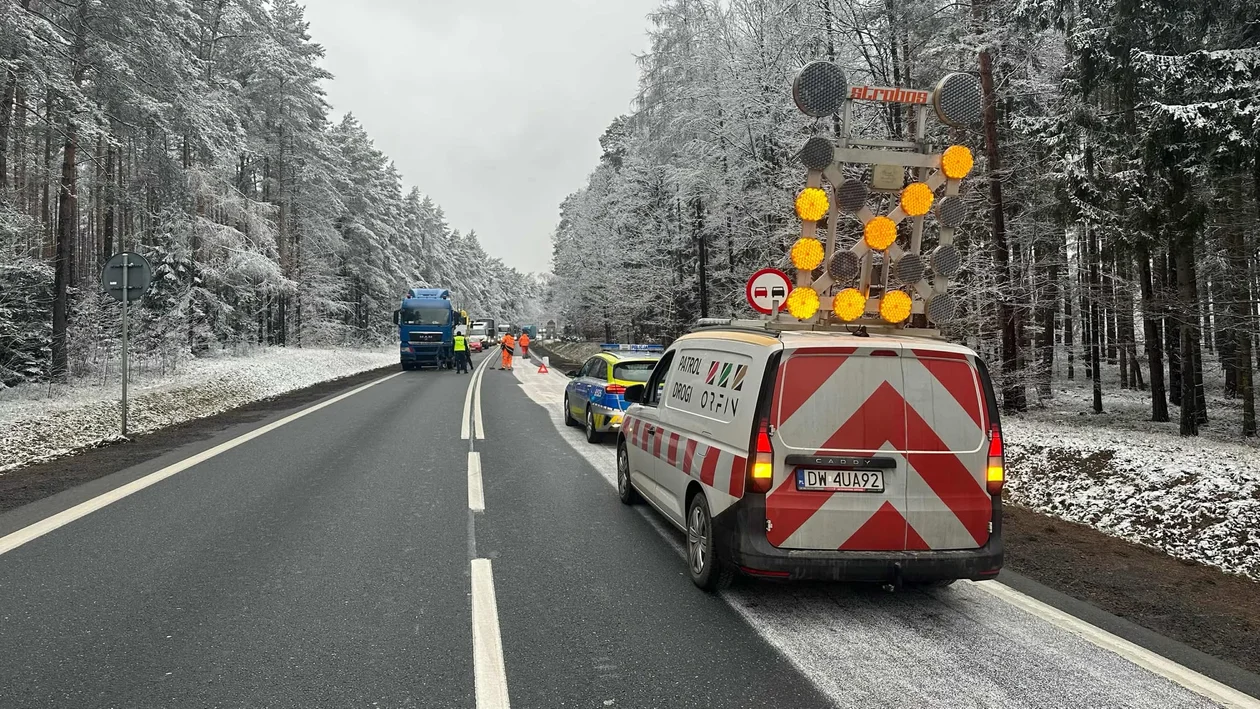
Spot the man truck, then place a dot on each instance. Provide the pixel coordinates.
(426, 328)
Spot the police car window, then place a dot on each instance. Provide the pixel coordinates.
(633, 371)
(589, 369)
(656, 383)
(601, 370)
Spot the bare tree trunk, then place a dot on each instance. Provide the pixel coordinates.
(1013, 398)
(1154, 342)
(66, 210)
(1172, 326)
(1049, 312)
(1185, 291)
(1095, 326)
(1068, 343)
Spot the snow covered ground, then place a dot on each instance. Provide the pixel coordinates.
(38, 423)
(1194, 498)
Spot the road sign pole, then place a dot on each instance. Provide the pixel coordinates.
(126, 266)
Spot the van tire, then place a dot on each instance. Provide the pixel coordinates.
(625, 487)
(568, 417)
(592, 434)
(712, 574)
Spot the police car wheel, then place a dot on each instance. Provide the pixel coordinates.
(592, 434)
(568, 415)
(625, 488)
(703, 565)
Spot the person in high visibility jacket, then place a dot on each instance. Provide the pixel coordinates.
(462, 363)
(525, 345)
(508, 343)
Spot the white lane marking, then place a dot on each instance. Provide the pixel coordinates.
(479, 427)
(1194, 681)
(16, 539)
(476, 500)
(465, 421)
(489, 671)
(472, 401)
(796, 638)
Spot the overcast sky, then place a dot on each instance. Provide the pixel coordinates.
(493, 108)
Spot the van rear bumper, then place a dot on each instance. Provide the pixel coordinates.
(743, 525)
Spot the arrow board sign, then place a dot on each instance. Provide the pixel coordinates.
(767, 286)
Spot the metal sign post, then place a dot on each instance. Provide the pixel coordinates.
(126, 277)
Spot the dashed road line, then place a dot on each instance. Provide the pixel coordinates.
(476, 500)
(488, 667)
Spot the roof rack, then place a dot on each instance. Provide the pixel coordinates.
(776, 328)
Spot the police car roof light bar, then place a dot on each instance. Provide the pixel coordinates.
(616, 347)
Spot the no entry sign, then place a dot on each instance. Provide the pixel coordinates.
(765, 287)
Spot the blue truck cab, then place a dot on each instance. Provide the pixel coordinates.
(426, 328)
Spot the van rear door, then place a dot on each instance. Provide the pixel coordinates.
(947, 505)
(839, 440)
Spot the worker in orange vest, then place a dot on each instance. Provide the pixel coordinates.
(525, 345)
(508, 344)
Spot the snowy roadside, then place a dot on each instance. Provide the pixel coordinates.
(35, 429)
(1193, 498)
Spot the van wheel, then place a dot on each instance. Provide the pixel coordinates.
(706, 569)
(592, 434)
(568, 417)
(625, 488)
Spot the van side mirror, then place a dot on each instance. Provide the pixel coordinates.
(571, 374)
(397, 313)
(634, 393)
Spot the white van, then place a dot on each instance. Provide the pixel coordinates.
(820, 455)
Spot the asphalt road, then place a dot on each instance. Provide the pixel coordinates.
(334, 561)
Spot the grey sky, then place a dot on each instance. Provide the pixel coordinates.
(494, 108)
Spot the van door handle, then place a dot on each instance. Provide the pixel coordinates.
(651, 430)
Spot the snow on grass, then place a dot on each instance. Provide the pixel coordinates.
(1196, 498)
(39, 424)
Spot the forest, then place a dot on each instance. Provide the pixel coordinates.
(197, 133)
(1113, 210)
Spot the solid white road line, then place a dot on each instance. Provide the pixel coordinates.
(476, 501)
(16, 539)
(489, 672)
(464, 422)
(481, 374)
(1220, 693)
(472, 402)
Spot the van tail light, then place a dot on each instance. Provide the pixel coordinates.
(615, 389)
(763, 460)
(996, 471)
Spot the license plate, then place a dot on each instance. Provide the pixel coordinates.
(840, 480)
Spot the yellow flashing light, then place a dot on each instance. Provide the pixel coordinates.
(880, 233)
(849, 304)
(894, 307)
(812, 204)
(802, 302)
(956, 162)
(916, 199)
(763, 470)
(807, 254)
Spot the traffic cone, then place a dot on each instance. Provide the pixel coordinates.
(542, 367)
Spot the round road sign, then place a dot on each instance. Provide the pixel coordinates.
(767, 286)
(139, 274)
